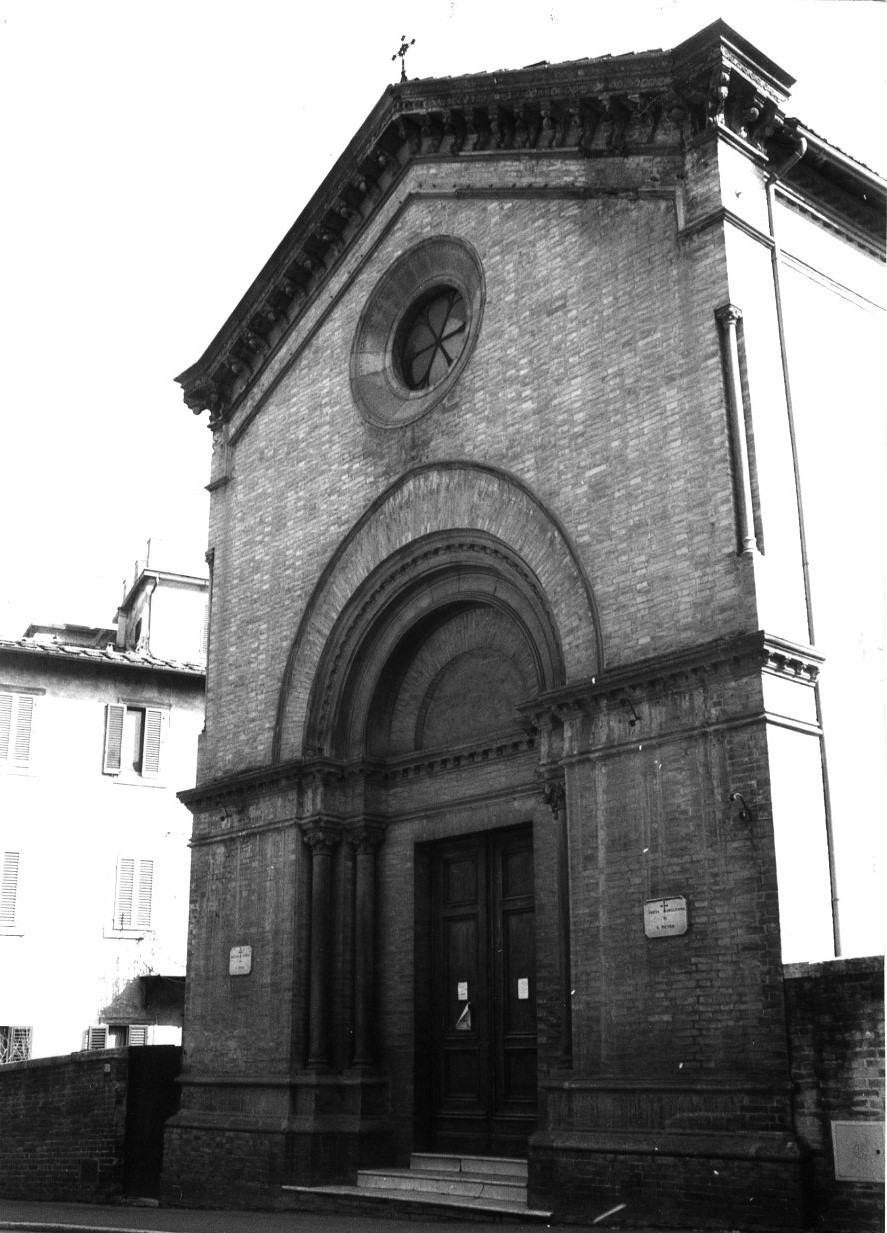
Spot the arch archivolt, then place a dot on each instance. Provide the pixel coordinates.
(445, 538)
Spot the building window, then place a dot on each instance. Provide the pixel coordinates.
(417, 331)
(16, 723)
(134, 890)
(431, 338)
(15, 1044)
(123, 1034)
(132, 740)
(8, 888)
(115, 1036)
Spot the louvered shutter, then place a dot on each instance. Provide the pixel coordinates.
(8, 888)
(97, 1038)
(137, 1035)
(5, 725)
(123, 898)
(114, 716)
(151, 752)
(145, 888)
(22, 750)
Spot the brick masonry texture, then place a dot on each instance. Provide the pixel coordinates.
(595, 380)
(525, 609)
(836, 1040)
(72, 1128)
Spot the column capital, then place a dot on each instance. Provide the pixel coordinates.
(365, 837)
(321, 835)
(728, 314)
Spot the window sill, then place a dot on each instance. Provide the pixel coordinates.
(136, 781)
(127, 935)
(11, 931)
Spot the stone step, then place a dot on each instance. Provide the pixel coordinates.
(489, 1166)
(435, 1183)
(462, 1185)
(355, 1200)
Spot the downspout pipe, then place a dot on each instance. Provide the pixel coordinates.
(793, 159)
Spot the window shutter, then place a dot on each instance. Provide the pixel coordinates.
(8, 888)
(137, 1035)
(123, 899)
(204, 632)
(97, 1038)
(146, 883)
(114, 716)
(23, 728)
(151, 754)
(5, 725)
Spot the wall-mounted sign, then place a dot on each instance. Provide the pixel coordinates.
(523, 988)
(665, 918)
(859, 1151)
(240, 961)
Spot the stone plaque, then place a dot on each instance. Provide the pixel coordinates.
(665, 918)
(240, 961)
(859, 1151)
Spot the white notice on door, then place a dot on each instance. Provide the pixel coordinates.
(462, 991)
(523, 989)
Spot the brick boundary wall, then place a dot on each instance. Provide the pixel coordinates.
(64, 1124)
(835, 1016)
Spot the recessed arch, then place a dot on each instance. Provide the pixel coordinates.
(436, 510)
(416, 597)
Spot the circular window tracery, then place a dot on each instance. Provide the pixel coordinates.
(432, 337)
(417, 331)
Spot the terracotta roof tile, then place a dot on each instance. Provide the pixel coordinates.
(133, 659)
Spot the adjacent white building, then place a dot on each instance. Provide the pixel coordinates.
(98, 731)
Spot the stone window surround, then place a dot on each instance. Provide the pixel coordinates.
(381, 395)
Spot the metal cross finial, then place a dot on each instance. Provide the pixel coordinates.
(404, 48)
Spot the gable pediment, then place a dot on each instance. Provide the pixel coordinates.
(610, 107)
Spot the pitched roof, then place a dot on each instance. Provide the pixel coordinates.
(644, 103)
(108, 656)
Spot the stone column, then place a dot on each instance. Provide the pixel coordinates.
(555, 797)
(321, 838)
(365, 839)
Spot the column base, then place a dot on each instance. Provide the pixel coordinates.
(232, 1145)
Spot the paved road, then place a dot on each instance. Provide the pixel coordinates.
(84, 1218)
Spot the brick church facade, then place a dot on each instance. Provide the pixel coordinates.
(511, 800)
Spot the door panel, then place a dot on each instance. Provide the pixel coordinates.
(483, 994)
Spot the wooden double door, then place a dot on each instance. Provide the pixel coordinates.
(482, 994)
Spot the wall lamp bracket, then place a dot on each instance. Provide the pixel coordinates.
(635, 718)
(743, 811)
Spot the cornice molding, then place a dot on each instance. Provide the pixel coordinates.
(608, 107)
(757, 651)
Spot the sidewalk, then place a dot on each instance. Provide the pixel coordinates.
(28, 1217)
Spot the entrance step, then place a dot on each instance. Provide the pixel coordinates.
(489, 1186)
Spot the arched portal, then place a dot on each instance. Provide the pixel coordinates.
(429, 787)
(435, 509)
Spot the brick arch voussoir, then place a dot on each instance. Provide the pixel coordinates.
(454, 497)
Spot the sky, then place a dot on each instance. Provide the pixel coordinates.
(153, 155)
